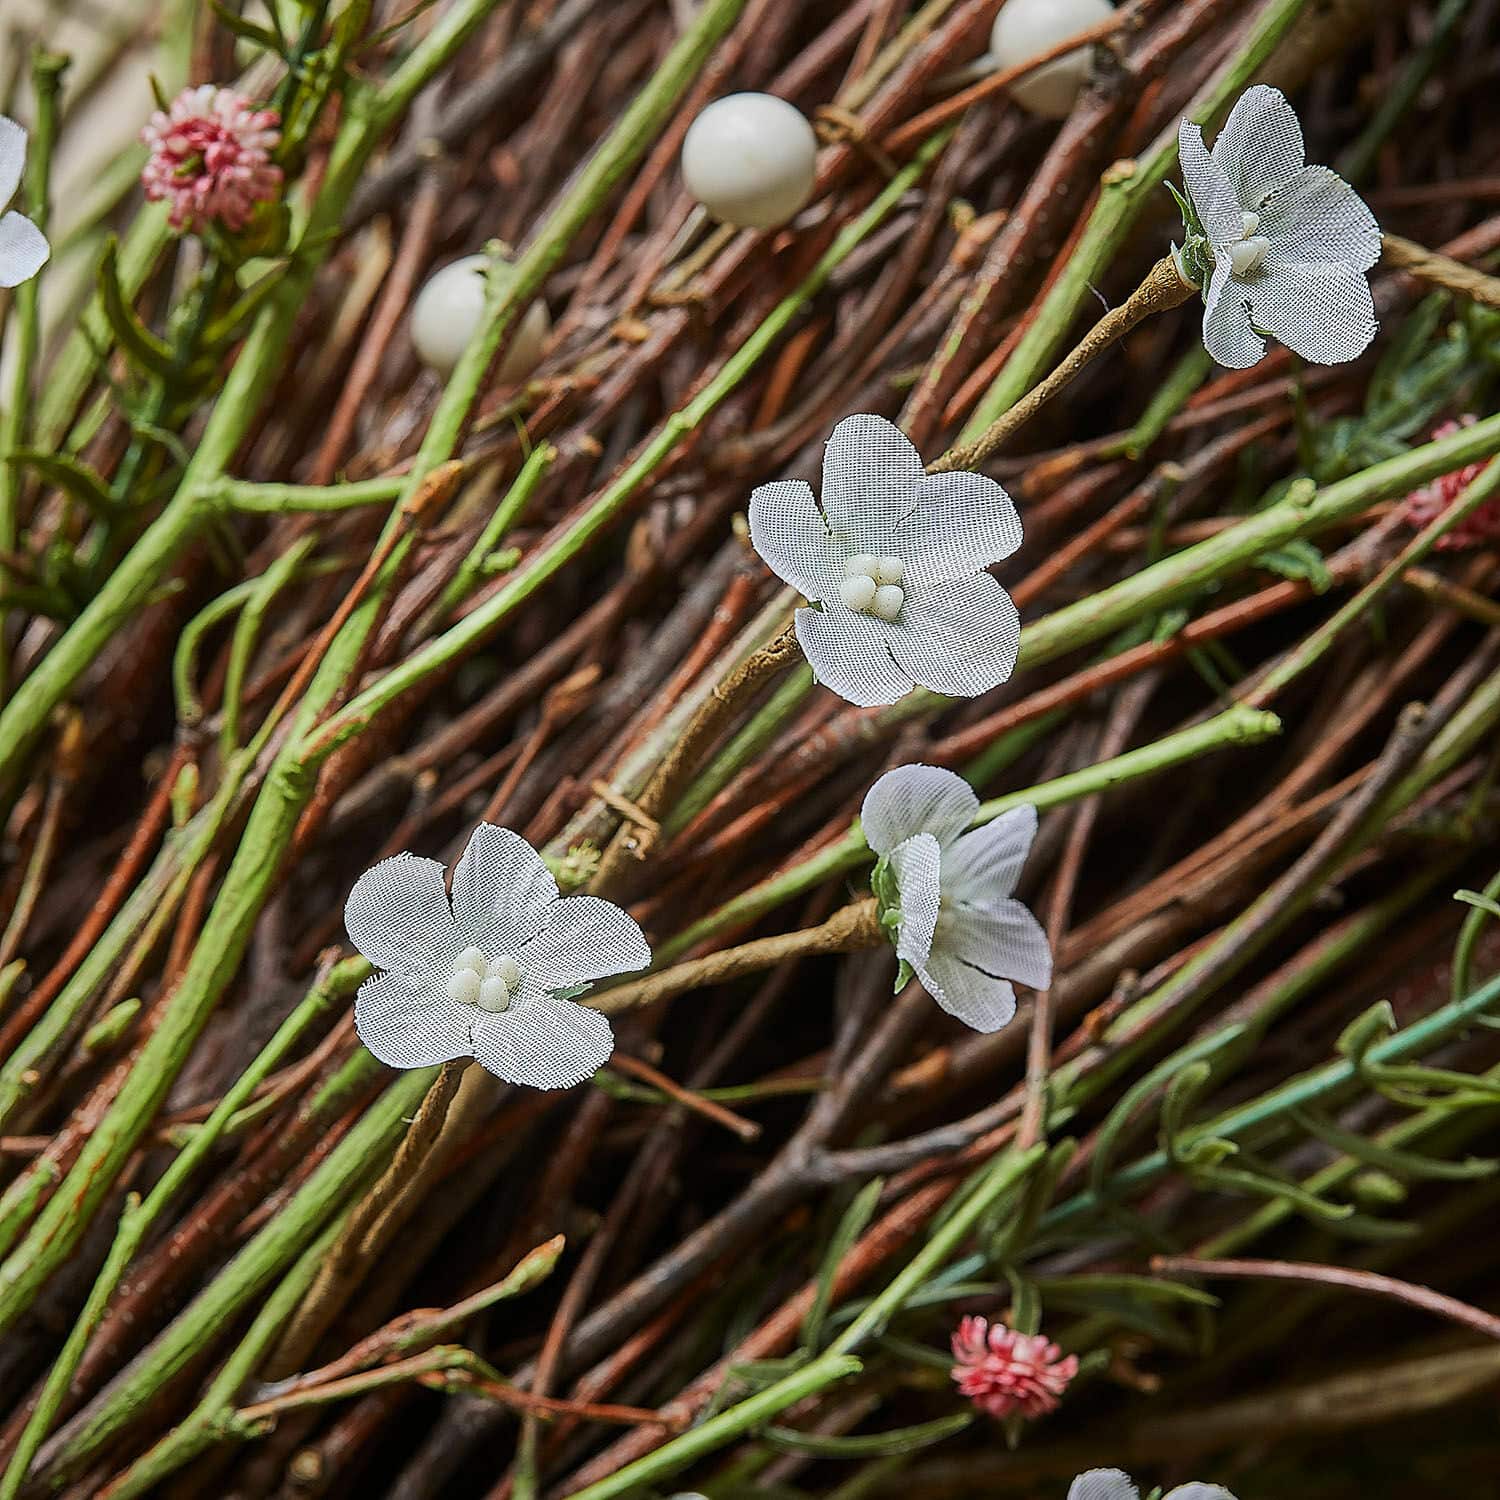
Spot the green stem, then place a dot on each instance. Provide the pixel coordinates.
(136, 1221)
(280, 499)
(985, 1187)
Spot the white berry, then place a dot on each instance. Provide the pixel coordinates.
(750, 160)
(505, 969)
(861, 565)
(858, 592)
(888, 601)
(890, 570)
(494, 995)
(471, 958)
(464, 986)
(449, 309)
(1025, 28)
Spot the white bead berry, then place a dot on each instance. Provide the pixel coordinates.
(494, 995)
(861, 565)
(890, 570)
(888, 601)
(506, 969)
(750, 159)
(858, 592)
(449, 309)
(464, 986)
(1025, 28)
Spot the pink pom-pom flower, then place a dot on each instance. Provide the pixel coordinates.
(211, 158)
(1002, 1371)
(1478, 529)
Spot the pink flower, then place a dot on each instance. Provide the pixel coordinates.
(1424, 506)
(211, 158)
(1002, 1371)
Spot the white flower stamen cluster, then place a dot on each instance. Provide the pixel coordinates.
(872, 585)
(485, 982)
(1248, 253)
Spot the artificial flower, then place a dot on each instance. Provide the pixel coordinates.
(1479, 528)
(23, 247)
(489, 973)
(211, 158)
(1115, 1484)
(947, 892)
(893, 562)
(1288, 244)
(1004, 1372)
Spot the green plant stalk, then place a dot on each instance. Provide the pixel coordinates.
(481, 621)
(282, 499)
(344, 1173)
(1236, 725)
(368, 115)
(991, 1182)
(743, 747)
(1122, 196)
(1306, 1089)
(533, 471)
(211, 1419)
(136, 1221)
(46, 77)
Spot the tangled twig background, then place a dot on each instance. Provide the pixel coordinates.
(280, 604)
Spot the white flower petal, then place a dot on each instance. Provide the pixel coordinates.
(1103, 1484)
(1198, 1491)
(502, 891)
(543, 1042)
(958, 637)
(870, 477)
(789, 532)
(23, 249)
(961, 523)
(582, 938)
(1212, 193)
(850, 655)
(1317, 216)
(398, 917)
(917, 799)
(967, 994)
(982, 868)
(408, 1023)
(1227, 334)
(1324, 312)
(917, 865)
(1004, 942)
(1260, 146)
(12, 157)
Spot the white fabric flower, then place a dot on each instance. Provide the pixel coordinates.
(479, 976)
(894, 560)
(1113, 1484)
(958, 926)
(23, 247)
(1290, 243)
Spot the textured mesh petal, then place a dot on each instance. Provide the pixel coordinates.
(1005, 942)
(583, 938)
(1317, 216)
(850, 655)
(501, 891)
(407, 1022)
(1210, 190)
(982, 868)
(1103, 1484)
(543, 1042)
(12, 158)
(789, 532)
(1198, 1491)
(398, 917)
(960, 524)
(1260, 146)
(870, 478)
(967, 994)
(1227, 334)
(917, 865)
(1323, 312)
(958, 637)
(917, 799)
(23, 249)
